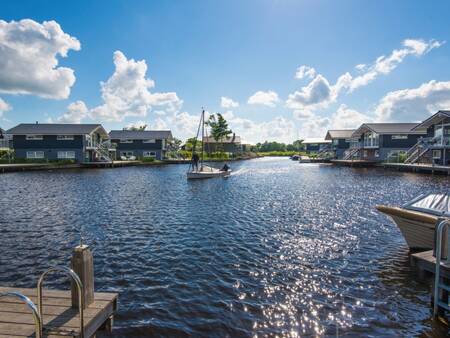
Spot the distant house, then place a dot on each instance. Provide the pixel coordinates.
(434, 147)
(231, 144)
(316, 145)
(82, 143)
(5, 140)
(382, 141)
(340, 141)
(141, 143)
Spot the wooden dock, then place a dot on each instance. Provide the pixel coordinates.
(423, 168)
(59, 318)
(425, 263)
(355, 163)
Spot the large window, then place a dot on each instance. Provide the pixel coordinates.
(35, 154)
(371, 139)
(64, 137)
(149, 154)
(436, 154)
(126, 141)
(399, 137)
(149, 141)
(34, 137)
(126, 153)
(70, 155)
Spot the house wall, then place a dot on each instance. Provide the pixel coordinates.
(386, 141)
(49, 145)
(225, 147)
(138, 147)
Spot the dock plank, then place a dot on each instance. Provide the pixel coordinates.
(60, 319)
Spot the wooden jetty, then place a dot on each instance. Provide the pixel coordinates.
(425, 264)
(419, 168)
(355, 163)
(60, 319)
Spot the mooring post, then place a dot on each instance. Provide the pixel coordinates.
(83, 265)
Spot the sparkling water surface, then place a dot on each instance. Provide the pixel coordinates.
(279, 249)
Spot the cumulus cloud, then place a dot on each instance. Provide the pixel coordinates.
(29, 59)
(268, 98)
(346, 118)
(305, 72)
(76, 112)
(411, 104)
(226, 102)
(319, 93)
(127, 92)
(4, 106)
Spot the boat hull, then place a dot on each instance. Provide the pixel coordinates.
(207, 174)
(417, 228)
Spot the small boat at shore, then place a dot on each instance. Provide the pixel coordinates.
(208, 172)
(417, 219)
(304, 159)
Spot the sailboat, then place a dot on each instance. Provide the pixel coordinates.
(202, 170)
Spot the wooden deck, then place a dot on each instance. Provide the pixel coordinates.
(60, 319)
(425, 262)
(425, 168)
(355, 163)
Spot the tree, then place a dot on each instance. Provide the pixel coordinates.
(137, 128)
(191, 143)
(219, 127)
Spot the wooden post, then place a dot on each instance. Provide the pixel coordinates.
(83, 265)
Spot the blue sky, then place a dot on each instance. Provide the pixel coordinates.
(197, 52)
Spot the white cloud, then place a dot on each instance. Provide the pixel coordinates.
(4, 106)
(226, 102)
(305, 72)
(303, 114)
(408, 105)
(29, 59)
(346, 118)
(76, 112)
(269, 98)
(126, 93)
(319, 93)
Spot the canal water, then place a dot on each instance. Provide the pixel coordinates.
(277, 249)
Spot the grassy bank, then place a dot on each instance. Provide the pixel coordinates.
(281, 153)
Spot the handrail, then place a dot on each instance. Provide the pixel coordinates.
(80, 290)
(36, 316)
(440, 228)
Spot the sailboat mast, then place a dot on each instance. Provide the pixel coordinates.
(203, 133)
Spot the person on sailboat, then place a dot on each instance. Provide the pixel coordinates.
(225, 167)
(195, 160)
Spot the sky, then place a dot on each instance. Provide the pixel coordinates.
(278, 70)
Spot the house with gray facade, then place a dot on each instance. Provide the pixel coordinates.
(340, 141)
(231, 144)
(316, 145)
(378, 142)
(82, 143)
(5, 140)
(434, 146)
(140, 144)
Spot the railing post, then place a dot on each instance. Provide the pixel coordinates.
(82, 264)
(438, 247)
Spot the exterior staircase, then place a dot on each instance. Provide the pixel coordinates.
(420, 149)
(102, 151)
(326, 152)
(350, 154)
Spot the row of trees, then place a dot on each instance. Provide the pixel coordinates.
(277, 146)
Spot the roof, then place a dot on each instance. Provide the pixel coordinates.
(140, 134)
(433, 119)
(339, 133)
(229, 139)
(315, 141)
(54, 129)
(387, 128)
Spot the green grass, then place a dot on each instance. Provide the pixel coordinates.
(281, 153)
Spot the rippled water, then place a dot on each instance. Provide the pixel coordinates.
(277, 249)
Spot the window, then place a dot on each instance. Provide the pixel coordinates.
(66, 155)
(436, 154)
(365, 153)
(126, 141)
(34, 137)
(149, 141)
(399, 137)
(64, 137)
(126, 153)
(149, 154)
(35, 154)
(377, 153)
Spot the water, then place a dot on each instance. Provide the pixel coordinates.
(278, 249)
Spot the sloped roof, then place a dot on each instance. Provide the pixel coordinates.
(54, 129)
(433, 119)
(315, 141)
(387, 128)
(140, 134)
(229, 139)
(339, 133)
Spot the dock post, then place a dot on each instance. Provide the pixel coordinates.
(83, 264)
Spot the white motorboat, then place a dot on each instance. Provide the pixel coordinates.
(417, 219)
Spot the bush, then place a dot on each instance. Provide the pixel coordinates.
(148, 159)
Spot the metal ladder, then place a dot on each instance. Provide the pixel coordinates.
(80, 290)
(438, 285)
(36, 315)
